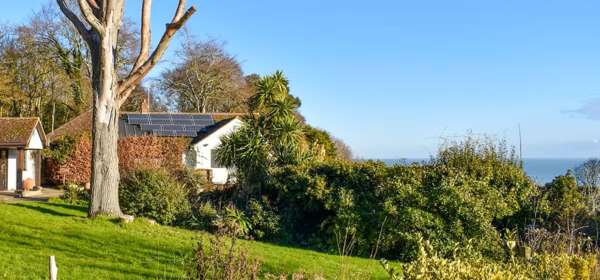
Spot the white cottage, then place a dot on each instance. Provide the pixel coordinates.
(201, 154)
(21, 143)
(204, 131)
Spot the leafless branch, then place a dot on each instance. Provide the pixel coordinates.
(90, 17)
(140, 72)
(179, 11)
(79, 25)
(145, 35)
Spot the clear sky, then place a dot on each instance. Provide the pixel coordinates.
(394, 77)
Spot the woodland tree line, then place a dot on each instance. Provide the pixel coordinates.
(45, 72)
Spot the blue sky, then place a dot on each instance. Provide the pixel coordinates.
(393, 78)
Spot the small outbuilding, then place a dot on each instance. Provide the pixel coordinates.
(21, 143)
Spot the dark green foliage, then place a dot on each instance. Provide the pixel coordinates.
(156, 195)
(204, 217)
(270, 136)
(464, 194)
(564, 198)
(320, 143)
(263, 218)
(60, 149)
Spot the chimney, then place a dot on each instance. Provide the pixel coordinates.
(145, 106)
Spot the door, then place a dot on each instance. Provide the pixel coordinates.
(3, 170)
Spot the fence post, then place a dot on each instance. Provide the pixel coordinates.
(53, 268)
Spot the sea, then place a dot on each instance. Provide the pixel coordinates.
(541, 170)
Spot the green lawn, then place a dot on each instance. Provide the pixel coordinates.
(104, 249)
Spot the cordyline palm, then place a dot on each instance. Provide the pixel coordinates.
(269, 136)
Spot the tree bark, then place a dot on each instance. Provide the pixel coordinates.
(105, 133)
(104, 17)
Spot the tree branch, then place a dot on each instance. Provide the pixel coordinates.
(93, 4)
(179, 11)
(140, 72)
(145, 35)
(88, 13)
(75, 20)
(95, 8)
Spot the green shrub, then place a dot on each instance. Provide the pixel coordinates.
(75, 194)
(429, 265)
(194, 181)
(60, 149)
(156, 195)
(264, 220)
(218, 258)
(204, 217)
(471, 191)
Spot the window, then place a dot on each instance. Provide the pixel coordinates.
(190, 158)
(213, 160)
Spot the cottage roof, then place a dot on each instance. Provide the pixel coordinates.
(79, 124)
(162, 124)
(17, 132)
(212, 129)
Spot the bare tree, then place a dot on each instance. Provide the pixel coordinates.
(588, 177)
(207, 79)
(342, 149)
(99, 22)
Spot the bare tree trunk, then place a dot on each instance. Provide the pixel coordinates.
(104, 20)
(105, 133)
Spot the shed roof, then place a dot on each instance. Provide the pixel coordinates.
(17, 132)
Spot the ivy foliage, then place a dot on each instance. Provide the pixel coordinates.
(61, 149)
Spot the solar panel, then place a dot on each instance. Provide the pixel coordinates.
(137, 116)
(149, 127)
(160, 121)
(138, 122)
(160, 117)
(173, 127)
(194, 127)
(202, 117)
(174, 133)
(182, 117)
(184, 122)
(167, 125)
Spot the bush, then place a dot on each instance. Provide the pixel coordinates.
(195, 182)
(429, 265)
(218, 259)
(471, 191)
(156, 195)
(75, 194)
(60, 149)
(264, 220)
(204, 217)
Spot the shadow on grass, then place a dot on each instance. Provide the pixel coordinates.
(81, 208)
(44, 210)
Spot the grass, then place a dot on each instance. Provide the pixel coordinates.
(105, 249)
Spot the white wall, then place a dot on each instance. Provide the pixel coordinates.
(12, 170)
(29, 172)
(36, 141)
(204, 152)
